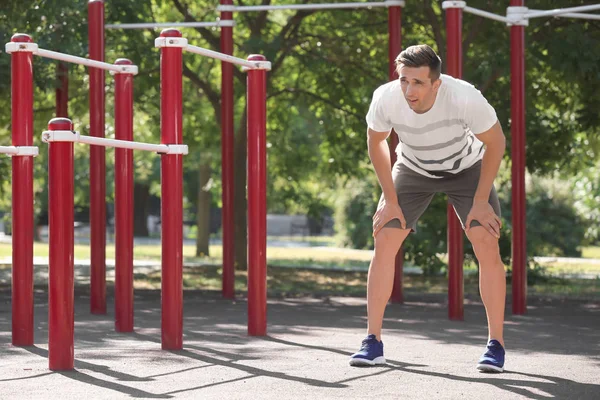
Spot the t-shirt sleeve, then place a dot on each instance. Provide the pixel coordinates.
(480, 116)
(376, 117)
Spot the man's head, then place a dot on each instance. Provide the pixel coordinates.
(419, 69)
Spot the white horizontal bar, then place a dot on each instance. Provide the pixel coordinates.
(8, 150)
(13, 47)
(486, 14)
(576, 15)
(150, 25)
(228, 58)
(70, 136)
(85, 61)
(560, 11)
(170, 42)
(123, 144)
(580, 16)
(311, 6)
(19, 150)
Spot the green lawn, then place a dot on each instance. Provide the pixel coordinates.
(590, 252)
(140, 252)
(282, 281)
(312, 240)
(286, 281)
(571, 268)
(321, 256)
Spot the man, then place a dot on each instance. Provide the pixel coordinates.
(450, 142)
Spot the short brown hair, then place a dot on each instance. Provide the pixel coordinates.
(420, 56)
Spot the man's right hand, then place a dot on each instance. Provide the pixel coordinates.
(387, 211)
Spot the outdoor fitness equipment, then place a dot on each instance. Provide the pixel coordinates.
(60, 137)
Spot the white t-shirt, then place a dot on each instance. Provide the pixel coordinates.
(442, 141)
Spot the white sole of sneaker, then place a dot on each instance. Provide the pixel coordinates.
(489, 368)
(361, 362)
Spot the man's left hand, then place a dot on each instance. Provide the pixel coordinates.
(483, 212)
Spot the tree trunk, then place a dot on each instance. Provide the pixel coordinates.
(241, 233)
(37, 226)
(203, 208)
(141, 195)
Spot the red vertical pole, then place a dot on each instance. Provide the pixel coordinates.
(257, 199)
(394, 48)
(97, 162)
(517, 126)
(455, 231)
(60, 281)
(171, 119)
(124, 201)
(62, 90)
(22, 195)
(227, 164)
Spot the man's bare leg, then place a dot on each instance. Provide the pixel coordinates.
(381, 275)
(492, 280)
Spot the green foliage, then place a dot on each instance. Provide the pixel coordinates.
(423, 247)
(554, 228)
(586, 193)
(326, 65)
(54, 27)
(355, 205)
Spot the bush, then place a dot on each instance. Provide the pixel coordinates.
(353, 215)
(553, 226)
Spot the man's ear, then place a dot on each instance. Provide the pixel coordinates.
(436, 84)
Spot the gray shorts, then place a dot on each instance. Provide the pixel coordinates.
(415, 192)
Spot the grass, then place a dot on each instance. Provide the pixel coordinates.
(295, 282)
(291, 282)
(556, 268)
(590, 252)
(311, 240)
(140, 252)
(300, 280)
(292, 256)
(321, 256)
(570, 288)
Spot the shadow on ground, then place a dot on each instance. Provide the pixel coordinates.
(552, 328)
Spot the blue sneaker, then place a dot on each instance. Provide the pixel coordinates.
(370, 353)
(493, 359)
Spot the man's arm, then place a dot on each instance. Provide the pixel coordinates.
(380, 158)
(495, 144)
(481, 211)
(379, 154)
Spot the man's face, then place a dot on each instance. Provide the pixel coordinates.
(418, 89)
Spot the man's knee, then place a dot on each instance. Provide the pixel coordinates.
(390, 239)
(484, 244)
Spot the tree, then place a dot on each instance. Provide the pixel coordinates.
(50, 24)
(326, 65)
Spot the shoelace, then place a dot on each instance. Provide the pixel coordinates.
(491, 351)
(365, 344)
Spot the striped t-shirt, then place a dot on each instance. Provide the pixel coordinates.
(442, 141)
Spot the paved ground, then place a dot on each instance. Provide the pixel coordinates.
(553, 352)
